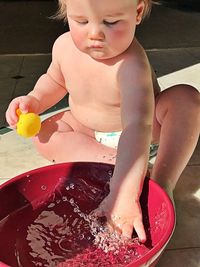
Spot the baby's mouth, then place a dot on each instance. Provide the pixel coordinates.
(96, 45)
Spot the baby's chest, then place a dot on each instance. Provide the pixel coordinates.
(93, 86)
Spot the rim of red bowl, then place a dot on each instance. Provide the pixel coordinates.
(159, 247)
(152, 253)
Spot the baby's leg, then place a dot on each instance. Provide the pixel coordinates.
(177, 124)
(62, 139)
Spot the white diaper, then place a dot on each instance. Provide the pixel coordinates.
(110, 139)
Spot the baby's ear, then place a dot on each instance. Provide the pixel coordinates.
(140, 11)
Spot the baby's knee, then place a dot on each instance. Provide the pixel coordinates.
(187, 97)
(48, 128)
(191, 98)
(43, 140)
(183, 95)
(52, 130)
(186, 92)
(179, 99)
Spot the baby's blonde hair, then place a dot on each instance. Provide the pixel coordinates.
(147, 9)
(62, 10)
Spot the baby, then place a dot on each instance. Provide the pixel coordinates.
(116, 109)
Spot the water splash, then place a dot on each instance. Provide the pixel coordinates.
(63, 233)
(77, 239)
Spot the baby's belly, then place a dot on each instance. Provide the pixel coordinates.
(98, 119)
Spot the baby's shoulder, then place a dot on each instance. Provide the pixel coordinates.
(135, 61)
(136, 57)
(62, 41)
(59, 48)
(136, 53)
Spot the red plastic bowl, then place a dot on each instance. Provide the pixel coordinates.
(24, 197)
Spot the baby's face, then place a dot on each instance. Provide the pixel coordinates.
(102, 29)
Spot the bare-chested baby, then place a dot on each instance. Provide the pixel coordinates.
(116, 107)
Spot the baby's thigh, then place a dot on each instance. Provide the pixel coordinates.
(64, 122)
(156, 125)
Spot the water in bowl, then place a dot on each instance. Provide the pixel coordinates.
(58, 233)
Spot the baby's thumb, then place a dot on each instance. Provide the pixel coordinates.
(97, 213)
(23, 107)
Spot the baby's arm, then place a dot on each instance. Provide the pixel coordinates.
(122, 204)
(137, 109)
(50, 88)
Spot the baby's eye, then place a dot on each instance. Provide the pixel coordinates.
(82, 22)
(110, 23)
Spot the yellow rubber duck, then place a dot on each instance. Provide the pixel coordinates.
(29, 124)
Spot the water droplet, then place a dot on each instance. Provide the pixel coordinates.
(64, 198)
(51, 205)
(43, 187)
(71, 186)
(76, 210)
(136, 253)
(110, 173)
(82, 236)
(71, 201)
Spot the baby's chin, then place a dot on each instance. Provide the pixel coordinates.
(101, 54)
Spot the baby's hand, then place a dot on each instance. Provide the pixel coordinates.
(25, 104)
(123, 214)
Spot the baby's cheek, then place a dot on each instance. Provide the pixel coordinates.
(122, 32)
(117, 34)
(121, 38)
(125, 31)
(77, 37)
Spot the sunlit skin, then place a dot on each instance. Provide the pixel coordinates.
(97, 32)
(112, 87)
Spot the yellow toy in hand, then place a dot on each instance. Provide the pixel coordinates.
(29, 124)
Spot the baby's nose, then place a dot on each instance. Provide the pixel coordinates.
(96, 33)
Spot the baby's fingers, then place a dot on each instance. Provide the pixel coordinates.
(97, 213)
(11, 115)
(21, 103)
(24, 106)
(97, 217)
(139, 228)
(127, 231)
